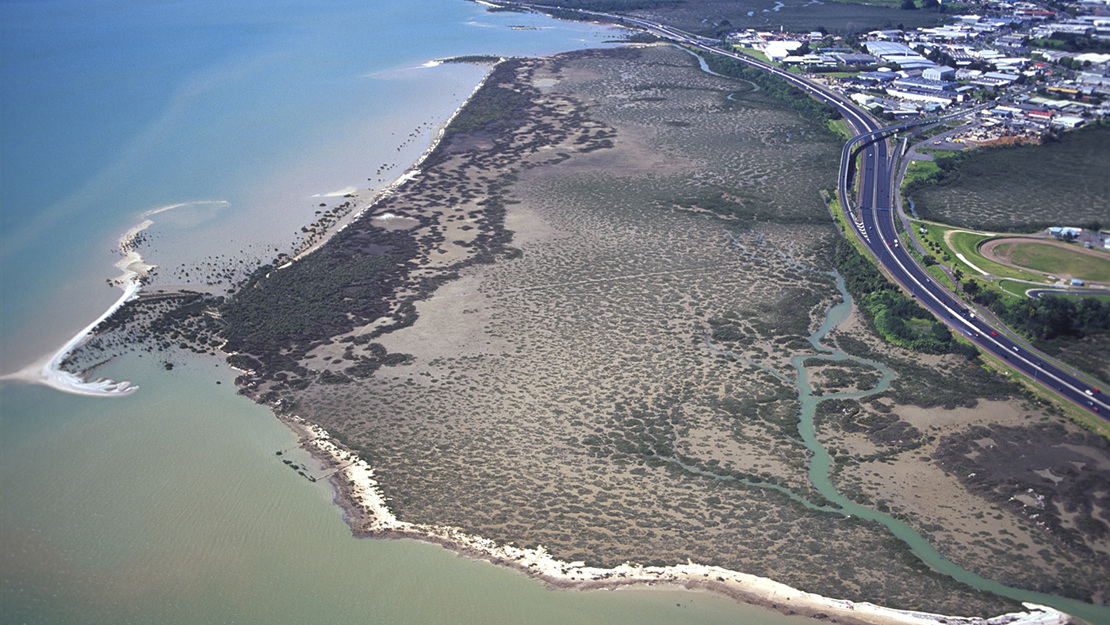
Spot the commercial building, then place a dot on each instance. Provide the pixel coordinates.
(938, 73)
(924, 84)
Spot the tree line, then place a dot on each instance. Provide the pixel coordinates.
(1050, 317)
(895, 317)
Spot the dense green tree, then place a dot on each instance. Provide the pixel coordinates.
(894, 316)
(1049, 317)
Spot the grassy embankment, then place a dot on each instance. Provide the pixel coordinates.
(840, 127)
(1049, 322)
(752, 52)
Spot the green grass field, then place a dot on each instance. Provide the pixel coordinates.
(1014, 288)
(754, 53)
(960, 250)
(1061, 261)
(966, 244)
(919, 170)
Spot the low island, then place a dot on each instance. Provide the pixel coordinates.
(607, 333)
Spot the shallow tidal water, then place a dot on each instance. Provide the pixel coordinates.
(243, 116)
(170, 506)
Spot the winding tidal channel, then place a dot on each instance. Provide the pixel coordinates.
(819, 466)
(820, 462)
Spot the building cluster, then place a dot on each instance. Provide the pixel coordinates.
(1044, 67)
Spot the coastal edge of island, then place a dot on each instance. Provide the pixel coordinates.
(369, 516)
(367, 512)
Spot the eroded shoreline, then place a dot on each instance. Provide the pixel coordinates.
(368, 514)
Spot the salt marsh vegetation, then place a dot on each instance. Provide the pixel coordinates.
(976, 465)
(610, 391)
(1016, 189)
(576, 326)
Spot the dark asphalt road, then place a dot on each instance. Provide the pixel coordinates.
(874, 224)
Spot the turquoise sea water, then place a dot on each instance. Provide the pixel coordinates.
(169, 505)
(109, 109)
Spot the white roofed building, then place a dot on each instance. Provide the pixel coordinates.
(1067, 121)
(938, 73)
(779, 50)
(882, 49)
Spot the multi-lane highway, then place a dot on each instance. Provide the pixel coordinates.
(874, 223)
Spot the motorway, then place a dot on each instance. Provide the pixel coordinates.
(874, 224)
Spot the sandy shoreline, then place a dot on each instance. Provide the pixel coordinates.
(407, 175)
(134, 271)
(369, 515)
(49, 371)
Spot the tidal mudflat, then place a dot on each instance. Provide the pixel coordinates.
(578, 325)
(573, 393)
(998, 481)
